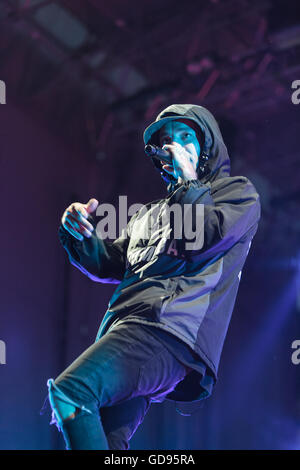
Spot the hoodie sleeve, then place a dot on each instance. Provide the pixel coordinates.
(100, 260)
(230, 210)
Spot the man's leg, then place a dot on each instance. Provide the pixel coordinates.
(121, 421)
(125, 364)
(83, 433)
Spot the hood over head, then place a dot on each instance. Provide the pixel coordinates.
(209, 136)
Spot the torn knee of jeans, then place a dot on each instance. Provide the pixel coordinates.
(63, 407)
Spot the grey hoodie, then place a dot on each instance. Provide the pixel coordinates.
(189, 293)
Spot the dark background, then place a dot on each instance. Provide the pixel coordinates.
(83, 79)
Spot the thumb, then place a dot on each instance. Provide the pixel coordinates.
(91, 206)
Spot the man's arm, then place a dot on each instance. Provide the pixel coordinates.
(100, 260)
(230, 211)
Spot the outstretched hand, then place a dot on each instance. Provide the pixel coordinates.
(74, 219)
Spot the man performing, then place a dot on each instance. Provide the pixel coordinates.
(163, 333)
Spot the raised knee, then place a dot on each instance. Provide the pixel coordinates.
(72, 415)
(63, 407)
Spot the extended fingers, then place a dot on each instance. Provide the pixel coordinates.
(80, 214)
(83, 227)
(78, 209)
(75, 221)
(73, 232)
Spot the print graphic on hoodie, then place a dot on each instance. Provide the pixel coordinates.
(188, 293)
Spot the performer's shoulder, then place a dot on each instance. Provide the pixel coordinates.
(229, 181)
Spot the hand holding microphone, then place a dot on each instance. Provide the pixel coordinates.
(177, 162)
(158, 154)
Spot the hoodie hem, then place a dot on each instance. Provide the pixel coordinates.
(195, 348)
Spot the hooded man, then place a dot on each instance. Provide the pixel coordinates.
(163, 333)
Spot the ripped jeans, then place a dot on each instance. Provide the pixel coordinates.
(110, 387)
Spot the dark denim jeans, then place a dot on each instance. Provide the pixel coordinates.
(113, 384)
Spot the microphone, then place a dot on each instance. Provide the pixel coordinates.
(158, 154)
